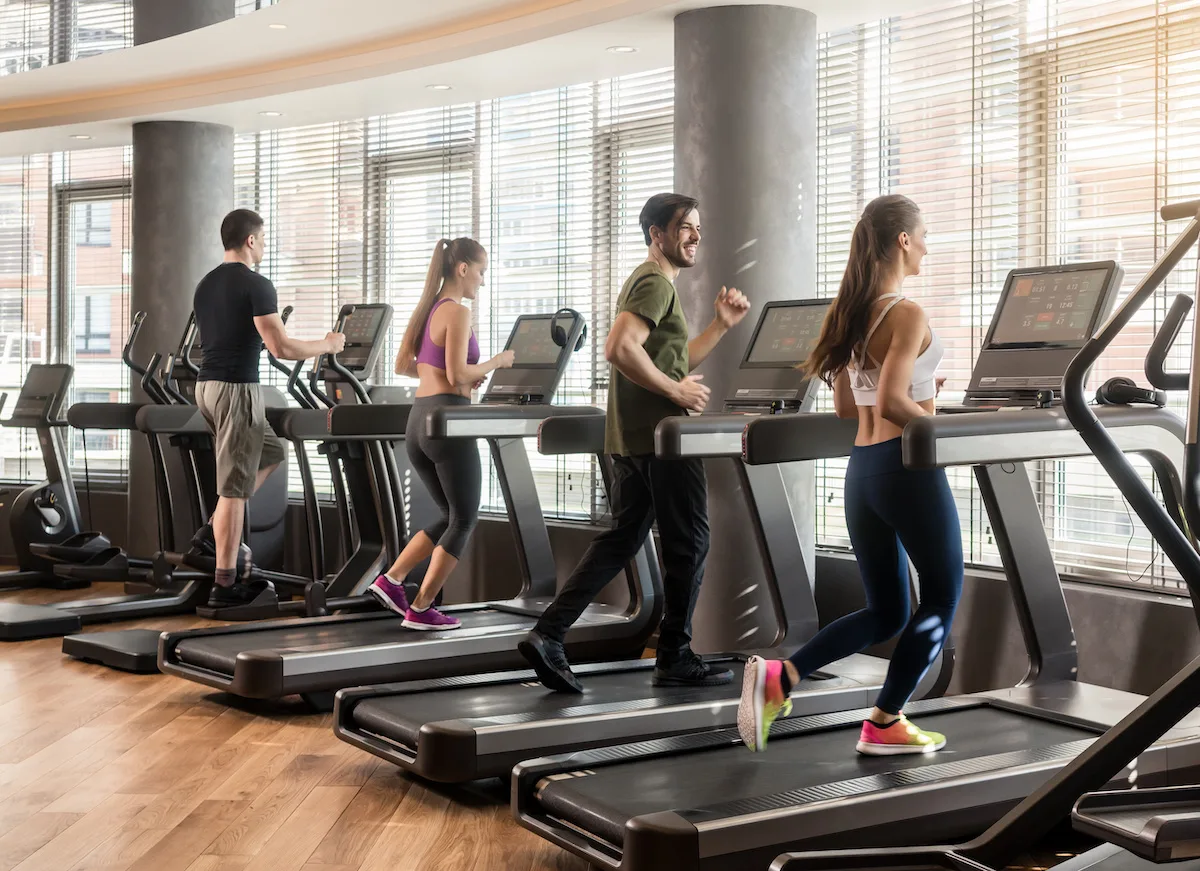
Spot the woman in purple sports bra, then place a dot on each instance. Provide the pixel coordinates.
(440, 348)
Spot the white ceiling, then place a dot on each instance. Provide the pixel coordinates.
(367, 57)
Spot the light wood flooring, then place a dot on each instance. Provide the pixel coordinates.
(105, 770)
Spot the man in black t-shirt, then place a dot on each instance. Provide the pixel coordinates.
(236, 314)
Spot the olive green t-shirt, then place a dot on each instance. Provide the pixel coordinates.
(633, 411)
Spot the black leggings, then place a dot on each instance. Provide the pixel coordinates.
(893, 513)
(450, 471)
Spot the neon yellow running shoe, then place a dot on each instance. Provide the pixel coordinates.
(763, 701)
(899, 737)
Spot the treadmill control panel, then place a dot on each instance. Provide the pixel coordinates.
(1049, 308)
(1044, 316)
(366, 332)
(768, 380)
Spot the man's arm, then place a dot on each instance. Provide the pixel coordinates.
(729, 308)
(284, 347)
(624, 349)
(700, 347)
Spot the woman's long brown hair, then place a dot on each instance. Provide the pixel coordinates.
(447, 255)
(849, 318)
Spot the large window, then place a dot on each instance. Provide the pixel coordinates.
(1030, 131)
(37, 33)
(1038, 132)
(551, 183)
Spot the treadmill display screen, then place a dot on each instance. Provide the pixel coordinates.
(532, 343)
(362, 329)
(786, 335)
(1049, 308)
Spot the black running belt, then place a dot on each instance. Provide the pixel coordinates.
(604, 800)
(1107, 857)
(218, 653)
(400, 717)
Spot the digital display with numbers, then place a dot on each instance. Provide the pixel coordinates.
(533, 344)
(786, 335)
(363, 332)
(1049, 308)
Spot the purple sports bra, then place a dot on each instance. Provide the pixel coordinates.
(433, 354)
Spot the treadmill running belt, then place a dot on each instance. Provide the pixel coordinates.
(400, 717)
(218, 653)
(605, 799)
(1107, 857)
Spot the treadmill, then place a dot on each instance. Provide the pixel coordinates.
(468, 728)
(1143, 827)
(707, 802)
(313, 657)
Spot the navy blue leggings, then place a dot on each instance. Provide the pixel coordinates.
(894, 513)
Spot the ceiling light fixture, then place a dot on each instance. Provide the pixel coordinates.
(80, 136)
(271, 114)
(621, 49)
(439, 87)
(277, 26)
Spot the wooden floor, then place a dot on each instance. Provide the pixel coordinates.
(105, 770)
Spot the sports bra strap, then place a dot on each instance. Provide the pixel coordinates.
(895, 298)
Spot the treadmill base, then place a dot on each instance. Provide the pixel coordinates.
(23, 622)
(134, 650)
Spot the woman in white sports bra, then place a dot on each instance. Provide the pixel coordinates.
(880, 356)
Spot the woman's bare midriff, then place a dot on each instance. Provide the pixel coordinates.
(434, 382)
(873, 429)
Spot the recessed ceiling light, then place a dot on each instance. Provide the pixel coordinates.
(277, 26)
(622, 49)
(271, 114)
(80, 136)
(439, 87)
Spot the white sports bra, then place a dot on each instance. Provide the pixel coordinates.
(865, 382)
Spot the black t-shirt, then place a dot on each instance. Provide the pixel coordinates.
(227, 301)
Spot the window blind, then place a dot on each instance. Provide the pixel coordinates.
(64, 293)
(1030, 133)
(37, 33)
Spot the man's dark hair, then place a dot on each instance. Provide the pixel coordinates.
(660, 210)
(238, 226)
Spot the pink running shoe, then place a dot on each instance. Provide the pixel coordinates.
(900, 737)
(429, 620)
(389, 595)
(763, 701)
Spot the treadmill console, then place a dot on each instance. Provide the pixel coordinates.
(768, 382)
(1045, 315)
(42, 395)
(366, 328)
(539, 362)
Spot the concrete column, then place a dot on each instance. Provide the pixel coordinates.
(745, 146)
(182, 188)
(158, 19)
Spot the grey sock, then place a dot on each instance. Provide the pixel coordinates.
(225, 577)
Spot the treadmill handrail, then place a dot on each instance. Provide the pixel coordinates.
(672, 434)
(572, 434)
(441, 420)
(368, 422)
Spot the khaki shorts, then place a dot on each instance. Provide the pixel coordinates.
(243, 441)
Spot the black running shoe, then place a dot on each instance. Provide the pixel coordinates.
(549, 660)
(238, 593)
(689, 670)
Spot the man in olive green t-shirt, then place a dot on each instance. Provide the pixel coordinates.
(651, 356)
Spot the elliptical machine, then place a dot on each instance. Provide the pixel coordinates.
(46, 512)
